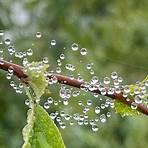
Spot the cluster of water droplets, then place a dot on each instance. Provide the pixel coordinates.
(91, 110)
(10, 53)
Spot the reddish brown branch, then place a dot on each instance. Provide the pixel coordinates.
(18, 71)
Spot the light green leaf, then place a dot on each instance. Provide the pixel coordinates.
(41, 132)
(37, 80)
(124, 110)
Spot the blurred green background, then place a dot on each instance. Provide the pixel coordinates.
(115, 33)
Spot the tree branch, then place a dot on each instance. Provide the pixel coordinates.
(18, 71)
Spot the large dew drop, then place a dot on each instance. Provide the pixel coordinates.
(53, 42)
(74, 47)
(83, 51)
(38, 35)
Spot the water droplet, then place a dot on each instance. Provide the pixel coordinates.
(114, 75)
(53, 116)
(29, 52)
(27, 102)
(11, 50)
(120, 79)
(12, 83)
(7, 41)
(97, 110)
(138, 100)
(74, 47)
(62, 113)
(8, 76)
(71, 123)
(53, 42)
(136, 91)
(46, 105)
(80, 102)
(65, 102)
(62, 56)
(45, 60)
(75, 93)
(38, 35)
(88, 66)
(94, 80)
(55, 103)
(103, 91)
(21, 85)
(106, 80)
(1, 50)
(67, 117)
(117, 90)
(133, 105)
(70, 67)
(50, 100)
(110, 91)
(89, 102)
(116, 83)
(92, 72)
(10, 70)
(62, 125)
(58, 70)
(83, 51)
(108, 114)
(58, 119)
(126, 89)
(1, 32)
(103, 118)
(95, 128)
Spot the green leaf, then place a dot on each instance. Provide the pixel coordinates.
(124, 110)
(37, 80)
(41, 132)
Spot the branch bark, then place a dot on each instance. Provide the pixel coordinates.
(18, 71)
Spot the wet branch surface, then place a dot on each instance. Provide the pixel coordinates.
(18, 71)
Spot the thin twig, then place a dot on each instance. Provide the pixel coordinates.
(18, 71)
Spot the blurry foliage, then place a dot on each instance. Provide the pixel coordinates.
(116, 36)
